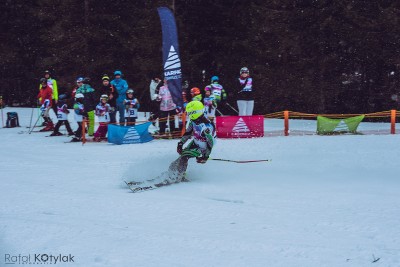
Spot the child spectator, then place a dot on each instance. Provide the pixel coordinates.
(217, 90)
(131, 107)
(62, 116)
(45, 97)
(79, 111)
(89, 101)
(210, 104)
(108, 89)
(79, 82)
(219, 93)
(103, 116)
(196, 94)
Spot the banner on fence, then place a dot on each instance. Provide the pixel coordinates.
(332, 126)
(129, 134)
(240, 126)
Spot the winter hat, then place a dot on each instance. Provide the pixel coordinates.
(105, 77)
(62, 97)
(117, 72)
(79, 80)
(214, 79)
(86, 80)
(244, 70)
(195, 91)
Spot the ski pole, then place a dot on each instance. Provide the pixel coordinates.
(1, 107)
(241, 161)
(30, 124)
(232, 107)
(220, 113)
(30, 131)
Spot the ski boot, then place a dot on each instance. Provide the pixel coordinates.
(49, 127)
(76, 139)
(56, 134)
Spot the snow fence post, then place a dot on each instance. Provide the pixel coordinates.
(393, 121)
(183, 123)
(286, 117)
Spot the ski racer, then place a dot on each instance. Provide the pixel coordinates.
(201, 130)
(202, 133)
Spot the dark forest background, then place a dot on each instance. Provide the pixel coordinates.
(307, 56)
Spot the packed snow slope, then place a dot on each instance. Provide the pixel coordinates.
(321, 201)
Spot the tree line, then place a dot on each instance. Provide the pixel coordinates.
(307, 56)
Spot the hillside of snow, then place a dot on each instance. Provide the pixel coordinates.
(321, 201)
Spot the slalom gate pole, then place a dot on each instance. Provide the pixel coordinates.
(242, 161)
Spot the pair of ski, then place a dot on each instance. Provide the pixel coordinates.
(137, 187)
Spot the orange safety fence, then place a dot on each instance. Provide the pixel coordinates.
(286, 115)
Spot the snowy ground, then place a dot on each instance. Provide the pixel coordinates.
(321, 201)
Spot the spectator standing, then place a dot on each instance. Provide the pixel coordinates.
(196, 94)
(89, 102)
(79, 83)
(62, 116)
(108, 89)
(102, 113)
(45, 99)
(217, 90)
(121, 86)
(155, 85)
(245, 99)
(53, 84)
(79, 111)
(167, 109)
(210, 105)
(131, 107)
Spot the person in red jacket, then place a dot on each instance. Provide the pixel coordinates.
(45, 97)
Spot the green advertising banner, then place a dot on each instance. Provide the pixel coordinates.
(336, 126)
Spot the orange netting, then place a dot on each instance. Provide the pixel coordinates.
(392, 114)
(294, 114)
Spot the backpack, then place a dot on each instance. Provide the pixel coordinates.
(12, 120)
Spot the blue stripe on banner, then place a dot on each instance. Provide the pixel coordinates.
(129, 134)
(171, 59)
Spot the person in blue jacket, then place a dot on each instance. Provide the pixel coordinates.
(121, 86)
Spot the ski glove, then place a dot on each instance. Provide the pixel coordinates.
(179, 149)
(202, 159)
